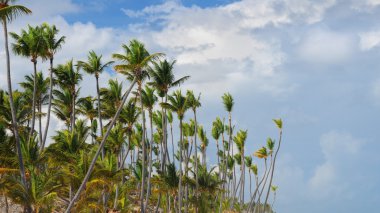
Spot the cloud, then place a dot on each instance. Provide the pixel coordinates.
(326, 47)
(369, 40)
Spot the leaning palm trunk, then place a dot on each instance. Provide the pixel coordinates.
(13, 110)
(49, 107)
(272, 172)
(33, 99)
(92, 165)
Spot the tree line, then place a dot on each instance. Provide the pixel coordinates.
(120, 150)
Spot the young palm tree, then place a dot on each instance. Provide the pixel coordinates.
(8, 13)
(30, 44)
(94, 66)
(136, 59)
(52, 45)
(240, 139)
(178, 103)
(228, 102)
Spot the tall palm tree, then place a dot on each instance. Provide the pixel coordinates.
(138, 59)
(178, 103)
(228, 102)
(149, 99)
(194, 103)
(7, 14)
(278, 123)
(30, 44)
(163, 79)
(52, 45)
(94, 66)
(135, 60)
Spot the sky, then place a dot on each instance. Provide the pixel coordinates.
(315, 64)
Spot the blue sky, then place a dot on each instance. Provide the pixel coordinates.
(313, 63)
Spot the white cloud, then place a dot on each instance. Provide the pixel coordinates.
(369, 40)
(327, 47)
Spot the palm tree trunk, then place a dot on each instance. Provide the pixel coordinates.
(49, 107)
(73, 111)
(92, 165)
(99, 109)
(150, 159)
(272, 172)
(180, 168)
(13, 111)
(40, 122)
(34, 100)
(143, 151)
(196, 158)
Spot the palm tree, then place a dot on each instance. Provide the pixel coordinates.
(278, 123)
(240, 139)
(228, 102)
(149, 99)
(67, 79)
(94, 66)
(136, 58)
(86, 108)
(52, 45)
(163, 79)
(178, 104)
(194, 103)
(7, 14)
(30, 44)
(41, 94)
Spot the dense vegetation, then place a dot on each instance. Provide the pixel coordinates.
(121, 150)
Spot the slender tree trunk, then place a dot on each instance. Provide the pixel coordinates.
(196, 158)
(73, 111)
(180, 168)
(99, 110)
(13, 111)
(242, 179)
(34, 100)
(272, 172)
(143, 151)
(50, 102)
(150, 159)
(40, 122)
(250, 183)
(92, 165)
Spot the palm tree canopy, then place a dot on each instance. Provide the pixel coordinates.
(52, 43)
(240, 138)
(10, 12)
(192, 101)
(94, 64)
(29, 43)
(134, 60)
(163, 77)
(228, 102)
(177, 103)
